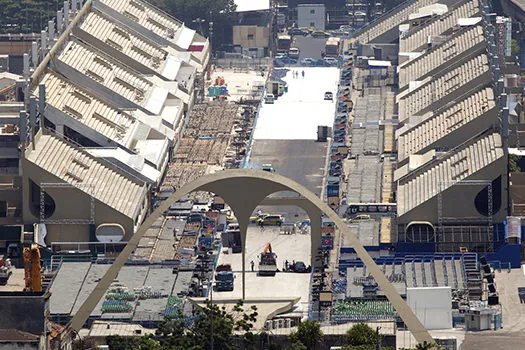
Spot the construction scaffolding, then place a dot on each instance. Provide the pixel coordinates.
(88, 188)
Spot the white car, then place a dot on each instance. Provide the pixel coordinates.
(307, 61)
(330, 60)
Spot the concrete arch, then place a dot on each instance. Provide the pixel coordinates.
(243, 190)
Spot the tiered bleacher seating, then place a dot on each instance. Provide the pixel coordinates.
(446, 53)
(391, 20)
(361, 310)
(107, 72)
(73, 165)
(433, 90)
(87, 109)
(431, 130)
(123, 40)
(146, 15)
(454, 166)
(441, 24)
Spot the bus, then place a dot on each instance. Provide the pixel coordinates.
(332, 47)
(284, 42)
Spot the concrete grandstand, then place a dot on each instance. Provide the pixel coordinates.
(113, 89)
(450, 136)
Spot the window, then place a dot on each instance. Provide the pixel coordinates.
(250, 36)
(312, 12)
(312, 24)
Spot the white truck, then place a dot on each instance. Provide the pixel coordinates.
(5, 270)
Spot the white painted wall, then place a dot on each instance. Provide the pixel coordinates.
(311, 16)
(432, 305)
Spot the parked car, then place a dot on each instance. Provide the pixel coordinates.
(361, 217)
(300, 267)
(271, 220)
(269, 99)
(331, 61)
(293, 53)
(307, 61)
(254, 219)
(320, 34)
(284, 62)
(328, 96)
(298, 31)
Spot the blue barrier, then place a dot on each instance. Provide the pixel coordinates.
(249, 146)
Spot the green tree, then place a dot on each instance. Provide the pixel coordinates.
(197, 15)
(361, 335)
(514, 47)
(26, 16)
(298, 346)
(309, 334)
(175, 334)
(514, 166)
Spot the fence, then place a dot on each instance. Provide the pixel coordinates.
(243, 64)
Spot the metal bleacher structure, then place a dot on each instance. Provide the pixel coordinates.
(364, 301)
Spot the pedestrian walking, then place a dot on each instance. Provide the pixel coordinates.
(252, 264)
(303, 74)
(286, 265)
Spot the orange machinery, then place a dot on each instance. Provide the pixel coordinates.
(32, 269)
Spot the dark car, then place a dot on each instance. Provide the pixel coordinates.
(297, 31)
(300, 267)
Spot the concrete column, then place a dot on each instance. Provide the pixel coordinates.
(41, 101)
(51, 28)
(43, 41)
(59, 129)
(34, 53)
(59, 22)
(243, 227)
(66, 12)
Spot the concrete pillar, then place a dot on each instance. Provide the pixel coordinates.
(51, 29)
(73, 5)
(60, 129)
(66, 12)
(25, 69)
(43, 41)
(59, 22)
(23, 127)
(34, 54)
(41, 101)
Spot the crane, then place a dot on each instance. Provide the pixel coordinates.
(32, 268)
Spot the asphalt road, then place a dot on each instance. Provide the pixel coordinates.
(308, 46)
(299, 160)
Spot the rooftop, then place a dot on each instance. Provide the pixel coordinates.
(18, 336)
